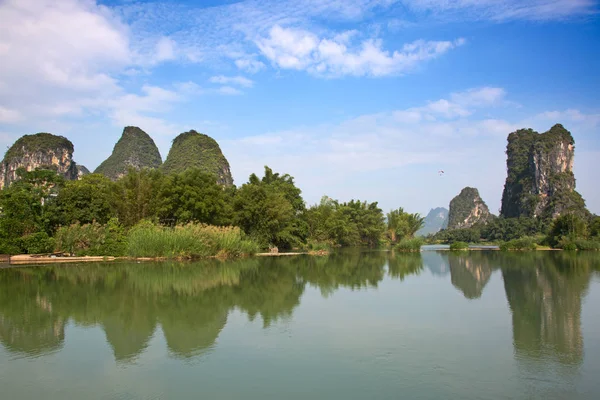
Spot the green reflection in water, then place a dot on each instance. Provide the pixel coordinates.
(191, 301)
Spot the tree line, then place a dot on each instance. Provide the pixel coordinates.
(43, 213)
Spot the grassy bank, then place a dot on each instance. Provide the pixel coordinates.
(154, 241)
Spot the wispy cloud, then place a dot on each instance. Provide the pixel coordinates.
(232, 80)
(290, 48)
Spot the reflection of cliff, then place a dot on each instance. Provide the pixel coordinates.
(436, 262)
(545, 301)
(470, 273)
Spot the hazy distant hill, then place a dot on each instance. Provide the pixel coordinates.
(436, 220)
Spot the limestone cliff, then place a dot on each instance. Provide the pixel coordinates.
(41, 150)
(135, 149)
(540, 180)
(196, 150)
(467, 209)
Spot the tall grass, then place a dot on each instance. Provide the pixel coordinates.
(459, 246)
(524, 243)
(188, 241)
(410, 245)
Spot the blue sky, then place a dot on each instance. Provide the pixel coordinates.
(359, 99)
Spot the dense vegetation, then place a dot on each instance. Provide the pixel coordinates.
(135, 149)
(196, 150)
(569, 231)
(147, 213)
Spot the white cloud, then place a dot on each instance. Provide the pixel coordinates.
(228, 90)
(232, 80)
(165, 49)
(249, 65)
(394, 156)
(291, 48)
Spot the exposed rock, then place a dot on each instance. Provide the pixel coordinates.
(196, 150)
(540, 180)
(436, 220)
(41, 150)
(135, 149)
(81, 171)
(467, 209)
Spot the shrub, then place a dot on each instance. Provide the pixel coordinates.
(459, 246)
(583, 244)
(37, 243)
(92, 239)
(524, 243)
(410, 245)
(191, 240)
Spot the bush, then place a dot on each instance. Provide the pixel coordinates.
(37, 243)
(92, 239)
(318, 246)
(190, 241)
(459, 246)
(524, 243)
(583, 244)
(410, 245)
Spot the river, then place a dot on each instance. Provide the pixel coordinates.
(352, 325)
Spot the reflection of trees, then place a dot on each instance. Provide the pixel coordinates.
(29, 324)
(544, 292)
(401, 265)
(470, 272)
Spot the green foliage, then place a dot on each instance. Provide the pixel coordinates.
(192, 196)
(134, 149)
(524, 243)
(410, 244)
(191, 240)
(192, 149)
(402, 225)
(92, 198)
(269, 210)
(92, 239)
(459, 246)
(138, 195)
(354, 223)
(565, 229)
(37, 243)
(25, 206)
(587, 244)
(35, 143)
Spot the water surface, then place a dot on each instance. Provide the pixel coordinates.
(354, 325)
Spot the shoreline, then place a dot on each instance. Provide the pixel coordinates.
(27, 259)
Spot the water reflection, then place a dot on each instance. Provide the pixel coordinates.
(191, 302)
(470, 272)
(545, 293)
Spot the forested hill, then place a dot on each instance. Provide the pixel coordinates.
(135, 149)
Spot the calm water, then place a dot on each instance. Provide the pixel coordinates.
(355, 325)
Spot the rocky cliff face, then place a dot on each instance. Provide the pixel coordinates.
(467, 209)
(436, 220)
(540, 180)
(135, 149)
(196, 150)
(42, 150)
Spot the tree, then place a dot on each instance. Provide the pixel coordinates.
(192, 196)
(403, 225)
(92, 198)
(567, 226)
(269, 210)
(138, 195)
